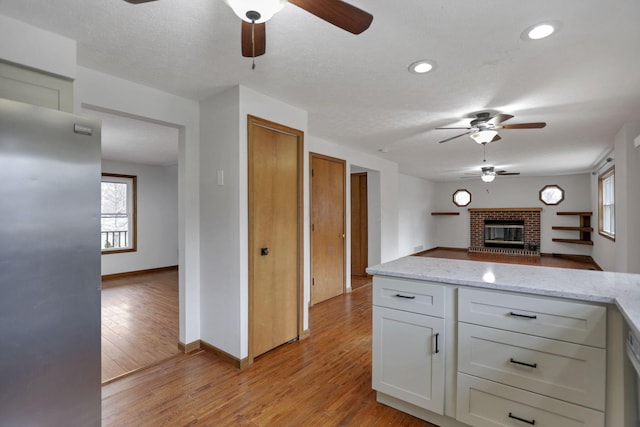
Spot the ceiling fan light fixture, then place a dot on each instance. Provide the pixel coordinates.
(256, 10)
(423, 66)
(483, 136)
(488, 176)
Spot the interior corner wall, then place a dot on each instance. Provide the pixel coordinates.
(115, 94)
(416, 226)
(514, 192)
(157, 218)
(622, 255)
(632, 196)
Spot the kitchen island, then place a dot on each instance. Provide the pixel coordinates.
(472, 343)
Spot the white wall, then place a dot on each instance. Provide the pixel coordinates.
(157, 218)
(623, 254)
(220, 295)
(33, 47)
(515, 192)
(416, 226)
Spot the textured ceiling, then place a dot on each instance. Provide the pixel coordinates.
(584, 81)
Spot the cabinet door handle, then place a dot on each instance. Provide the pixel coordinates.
(406, 296)
(531, 365)
(437, 336)
(526, 316)
(532, 422)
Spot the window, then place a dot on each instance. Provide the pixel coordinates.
(551, 195)
(606, 204)
(118, 213)
(461, 198)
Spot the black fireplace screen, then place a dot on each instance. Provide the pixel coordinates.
(504, 234)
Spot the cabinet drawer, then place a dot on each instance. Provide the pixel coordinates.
(483, 403)
(567, 371)
(545, 317)
(409, 295)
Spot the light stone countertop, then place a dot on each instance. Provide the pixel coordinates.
(620, 289)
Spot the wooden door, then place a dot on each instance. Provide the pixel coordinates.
(327, 227)
(359, 225)
(274, 235)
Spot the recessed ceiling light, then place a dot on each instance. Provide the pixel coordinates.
(422, 66)
(540, 31)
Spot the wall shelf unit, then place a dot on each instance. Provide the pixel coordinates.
(445, 213)
(584, 228)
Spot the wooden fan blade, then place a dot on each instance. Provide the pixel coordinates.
(249, 34)
(338, 13)
(499, 118)
(496, 138)
(138, 1)
(537, 125)
(505, 173)
(454, 137)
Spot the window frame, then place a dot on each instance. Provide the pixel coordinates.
(461, 191)
(132, 195)
(609, 234)
(542, 191)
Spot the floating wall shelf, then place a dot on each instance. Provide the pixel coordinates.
(584, 229)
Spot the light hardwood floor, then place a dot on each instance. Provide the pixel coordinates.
(139, 321)
(324, 380)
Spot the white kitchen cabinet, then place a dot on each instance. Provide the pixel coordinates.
(483, 403)
(530, 360)
(571, 372)
(34, 87)
(545, 317)
(408, 358)
(409, 342)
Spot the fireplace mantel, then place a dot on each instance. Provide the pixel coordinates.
(505, 209)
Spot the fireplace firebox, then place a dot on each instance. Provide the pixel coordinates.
(504, 234)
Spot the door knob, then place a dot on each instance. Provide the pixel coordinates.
(264, 251)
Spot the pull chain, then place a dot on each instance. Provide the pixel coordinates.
(253, 44)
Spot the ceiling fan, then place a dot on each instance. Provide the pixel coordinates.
(489, 174)
(484, 128)
(254, 14)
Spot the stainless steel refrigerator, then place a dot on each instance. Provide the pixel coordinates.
(49, 267)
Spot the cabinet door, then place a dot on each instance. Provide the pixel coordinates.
(408, 358)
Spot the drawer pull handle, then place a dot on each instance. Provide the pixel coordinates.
(406, 296)
(437, 349)
(532, 422)
(531, 365)
(526, 316)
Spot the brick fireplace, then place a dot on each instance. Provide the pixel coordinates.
(530, 216)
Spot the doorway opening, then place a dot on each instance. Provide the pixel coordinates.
(365, 220)
(140, 287)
